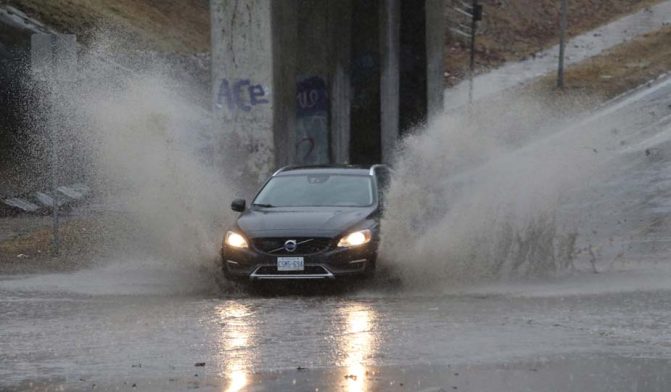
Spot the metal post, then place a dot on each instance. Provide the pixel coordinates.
(54, 61)
(54, 152)
(476, 15)
(54, 184)
(562, 44)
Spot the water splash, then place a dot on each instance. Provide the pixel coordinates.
(149, 151)
(477, 193)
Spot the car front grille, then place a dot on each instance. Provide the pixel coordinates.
(309, 270)
(305, 246)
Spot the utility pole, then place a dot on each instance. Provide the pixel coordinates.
(476, 16)
(562, 43)
(54, 61)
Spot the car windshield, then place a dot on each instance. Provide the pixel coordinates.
(317, 190)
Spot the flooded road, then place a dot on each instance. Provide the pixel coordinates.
(148, 325)
(59, 334)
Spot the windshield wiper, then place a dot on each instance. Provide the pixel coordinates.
(263, 205)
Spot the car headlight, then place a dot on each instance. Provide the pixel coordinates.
(355, 239)
(235, 240)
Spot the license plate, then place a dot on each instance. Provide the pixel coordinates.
(290, 264)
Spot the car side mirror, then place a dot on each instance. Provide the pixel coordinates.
(238, 205)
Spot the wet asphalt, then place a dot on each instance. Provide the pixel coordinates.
(136, 325)
(56, 335)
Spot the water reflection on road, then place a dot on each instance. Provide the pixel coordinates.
(236, 341)
(357, 344)
(351, 341)
(349, 330)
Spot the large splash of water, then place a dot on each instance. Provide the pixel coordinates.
(148, 150)
(477, 193)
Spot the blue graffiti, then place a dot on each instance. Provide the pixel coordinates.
(312, 105)
(243, 95)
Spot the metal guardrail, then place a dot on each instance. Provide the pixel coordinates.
(42, 202)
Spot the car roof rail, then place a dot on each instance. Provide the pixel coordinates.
(281, 169)
(379, 166)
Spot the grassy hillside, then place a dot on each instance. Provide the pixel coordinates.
(514, 29)
(181, 26)
(621, 68)
(511, 29)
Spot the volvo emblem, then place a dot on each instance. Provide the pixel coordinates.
(290, 246)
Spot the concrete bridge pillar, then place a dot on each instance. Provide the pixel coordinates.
(242, 72)
(320, 81)
(390, 51)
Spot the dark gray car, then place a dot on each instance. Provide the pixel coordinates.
(308, 222)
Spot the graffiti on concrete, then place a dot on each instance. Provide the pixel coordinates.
(241, 94)
(312, 129)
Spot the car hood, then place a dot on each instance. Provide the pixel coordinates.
(301, 222)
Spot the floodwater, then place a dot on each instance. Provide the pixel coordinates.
(113, 329)
(161, 324)
(146, 325)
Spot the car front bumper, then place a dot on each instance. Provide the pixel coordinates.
(241, 264)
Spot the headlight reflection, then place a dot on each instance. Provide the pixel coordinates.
(358, 344)
(236, 335)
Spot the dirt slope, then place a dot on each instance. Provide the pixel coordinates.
(514, 29)
(511, 29)
(181, 26)
(621, 68)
